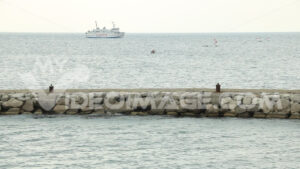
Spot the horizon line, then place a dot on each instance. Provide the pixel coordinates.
(158, 32)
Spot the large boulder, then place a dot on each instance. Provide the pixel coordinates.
(63, 100)
(99, 112)
(206, 100)
(171, 113)
(277, 115)
(12, 111)
(226, 100)
(60, 109)
(19, 96)
(295, 116)
(26, 113)
(285, 103)
(212, 110)
(259, 115)
(99, 94)
(86, 110)
(139, 113)
(4, 97)
(12, 103)
(46, 102)
(38, 112)
(295, 108)
(72, 111)
(247, 100)
(296, 98)
(28, 106)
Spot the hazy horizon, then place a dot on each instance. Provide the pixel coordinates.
(134, 16)
(157, 32)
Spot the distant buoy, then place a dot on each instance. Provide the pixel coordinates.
(215, 42)
(153, 51)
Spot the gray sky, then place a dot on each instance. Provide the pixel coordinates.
(151, 15)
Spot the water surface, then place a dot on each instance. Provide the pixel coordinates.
(147, 142)
(240, 60)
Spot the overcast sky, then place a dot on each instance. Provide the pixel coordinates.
(151, 15)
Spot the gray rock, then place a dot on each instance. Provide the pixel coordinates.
(215, 98)
(212, 108)
(247, 100)
(47, 101)
(99, 94)
(295, 116)
(295, 108)
(79, 98)
(238, 98)
(86, 110)
(232, 106)
(226, 100)
(206, 100)
(5, 97)
(229, 114)
(259, 115)
(12, 111)
(33, 95)
(97, 101)
(256, 101)
(139, 113)
(193, 114)
(17, 95)
(296, 98)
(207, 94)
(28, 106)
(99, 112)
(277, 115)
(157, 112)
(274, 97)
(283, 105)
(38, 112)
(63, 101)
(172, 113)
(26, 112)
(285, 96)
(71, 112)
(239, 110)
(112, 97)
(28, 95)
(12, 103)
(268, 107)
(60, 109)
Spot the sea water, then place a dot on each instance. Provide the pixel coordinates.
(236, 60)
(147, 142)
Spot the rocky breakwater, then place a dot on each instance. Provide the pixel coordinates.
(181, 102)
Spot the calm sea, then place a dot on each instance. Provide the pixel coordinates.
(147, 142)
(252, 60)
(236, 60)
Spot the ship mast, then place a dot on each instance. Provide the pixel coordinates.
(96, 24)
(113, 24)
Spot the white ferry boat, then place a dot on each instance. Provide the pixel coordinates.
(104, 33)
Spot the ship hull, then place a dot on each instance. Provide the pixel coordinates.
(95, 35)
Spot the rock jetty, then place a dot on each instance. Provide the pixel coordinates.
(142, 102)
